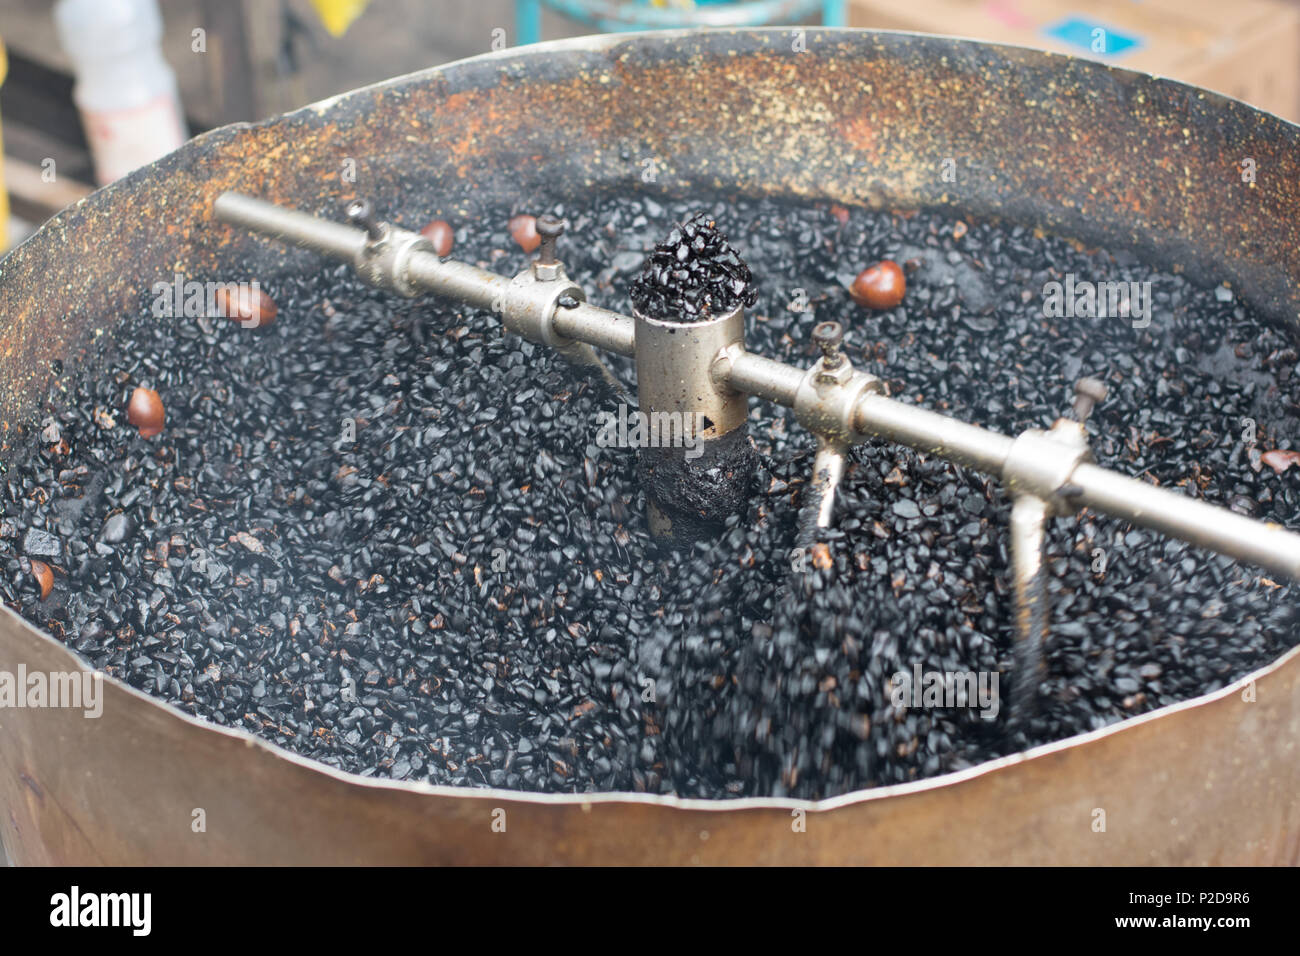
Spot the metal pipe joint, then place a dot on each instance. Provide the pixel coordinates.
(384, 258)
(1041, 463)
(527, 306)
(826, 401)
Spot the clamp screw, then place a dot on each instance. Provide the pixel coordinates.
(361, 213)
(828, 336)
(1087, 393)
(550, 228)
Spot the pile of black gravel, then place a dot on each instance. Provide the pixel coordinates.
(693, 275)
(467, 593)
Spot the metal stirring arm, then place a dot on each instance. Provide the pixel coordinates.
(1032, 610)
(1046, 472)
(1039, 472)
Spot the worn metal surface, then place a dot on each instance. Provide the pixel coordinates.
(1209, 781)
(700, 472)
(1100, 154)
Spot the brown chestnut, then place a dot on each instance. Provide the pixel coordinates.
(879, 287)
(250, 307)
(44, 577)
(440, 236)
(145, 411)
(523, 229)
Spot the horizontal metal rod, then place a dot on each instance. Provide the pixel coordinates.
(764, 377)
(428, 272)
(300, 228)
(456, 280)
(1266, 545)
(1189, 519)
(602, 328)
(1197, 522)
(931, 432)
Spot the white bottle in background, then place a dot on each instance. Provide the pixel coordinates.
(125, 90)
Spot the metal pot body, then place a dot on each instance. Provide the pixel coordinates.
(883, 119)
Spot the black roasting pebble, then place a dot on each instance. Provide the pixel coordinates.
(42, 544)
(906, 508)
(116, 529)
(693, 275)
(383, 535)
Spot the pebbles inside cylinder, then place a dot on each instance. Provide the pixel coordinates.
(697, 461)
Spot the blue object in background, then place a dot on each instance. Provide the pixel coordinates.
(1079, 32)
(617, 16)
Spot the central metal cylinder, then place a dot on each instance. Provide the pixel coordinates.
(696, 459)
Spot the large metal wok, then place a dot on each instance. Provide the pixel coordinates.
(1104, 155)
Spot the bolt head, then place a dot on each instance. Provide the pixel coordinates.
(358, 210)
(828, 336)
(550, 227)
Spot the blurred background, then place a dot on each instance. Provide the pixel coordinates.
(93, 88)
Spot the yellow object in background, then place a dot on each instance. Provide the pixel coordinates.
(4, 193)
(337, 15)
